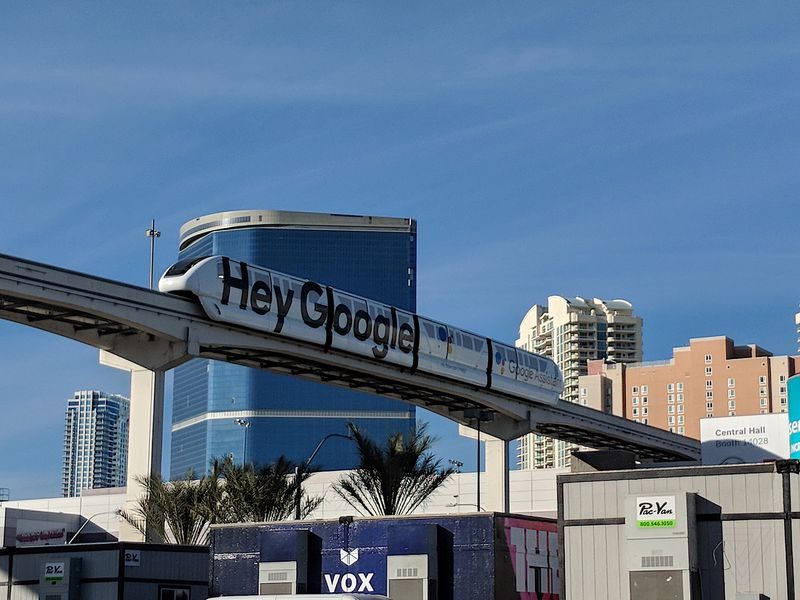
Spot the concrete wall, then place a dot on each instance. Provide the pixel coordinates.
(532, 493)
(97, 505)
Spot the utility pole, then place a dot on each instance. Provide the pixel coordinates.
(152, 234)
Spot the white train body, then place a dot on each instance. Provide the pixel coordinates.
(267, 300)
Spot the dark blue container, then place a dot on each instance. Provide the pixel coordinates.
(481, 556)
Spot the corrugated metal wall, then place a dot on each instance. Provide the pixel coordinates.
(750, 557)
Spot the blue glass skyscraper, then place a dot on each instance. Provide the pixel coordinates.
(220, 408)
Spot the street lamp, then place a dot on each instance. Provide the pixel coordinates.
(298, 470)
(152, 233)
(117, 512)
(245, 424)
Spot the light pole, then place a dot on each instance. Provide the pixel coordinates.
(298, 470)
(457, 464)
(152, 234)
(479, 415)
(245, 424)
(117, 512)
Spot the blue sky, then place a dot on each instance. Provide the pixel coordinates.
(638, 150)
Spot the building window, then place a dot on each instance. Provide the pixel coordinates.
(584, 392)
(782, 378)
(763, 402)
(762, 391)
(709, 395)
(670, 387)
(731, 393)
(680, 387)
(634, 390)
(671, 420)
(709, 384)
(636, 420)
(635, 411)
(708, 371)
(731, 382)
(644, 421)
(763, 411)
(762, 380)
(644, 411)
(672, 430)
(644, 389)
(709, 406)
(680, 430)
(708, 359)
(783, 401)
(680, 398)
(680, 409)
(671, 398)
(782, 389)
(732, 414)
(635, 401)
(709, 415)
(731, 404)
(644, 400)
(670, 410)
(680, 419)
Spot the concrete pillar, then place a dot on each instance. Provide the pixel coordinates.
(495, 483)
(145, 431)
(497, 478)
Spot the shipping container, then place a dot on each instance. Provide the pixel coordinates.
(478, 556)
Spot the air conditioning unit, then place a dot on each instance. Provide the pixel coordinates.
(60, 579)
(661, 544)
(277, 577)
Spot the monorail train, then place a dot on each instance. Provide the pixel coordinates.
(259, 298)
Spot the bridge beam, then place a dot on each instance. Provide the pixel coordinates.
(145, 432)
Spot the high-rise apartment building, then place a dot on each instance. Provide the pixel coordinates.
(573, 331)
(221, 409)
(711, 377)
(95, 442)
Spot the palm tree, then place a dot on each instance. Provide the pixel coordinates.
(257, 494)
(394, 479)
(173, 511)
(181, 511)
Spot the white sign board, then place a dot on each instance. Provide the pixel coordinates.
(40, 533)
(133, 558)
(656, 512)
(746, 439)
(54, 571)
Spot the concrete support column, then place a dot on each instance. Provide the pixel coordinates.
(145, 431)
(495, 483)
(497, 476)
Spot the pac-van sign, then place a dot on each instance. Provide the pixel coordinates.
(655, 512)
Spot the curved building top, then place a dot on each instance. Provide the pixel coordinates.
(193, 230)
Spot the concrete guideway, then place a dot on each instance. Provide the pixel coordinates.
(147, 333)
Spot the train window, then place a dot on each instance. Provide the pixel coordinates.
(180, 268)
(478, 344)
(468, 342)
(429, 329)
(442, 334)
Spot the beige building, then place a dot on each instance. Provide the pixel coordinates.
(711, 377)
(574, 331)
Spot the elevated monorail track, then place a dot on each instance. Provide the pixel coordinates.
(160, 331)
